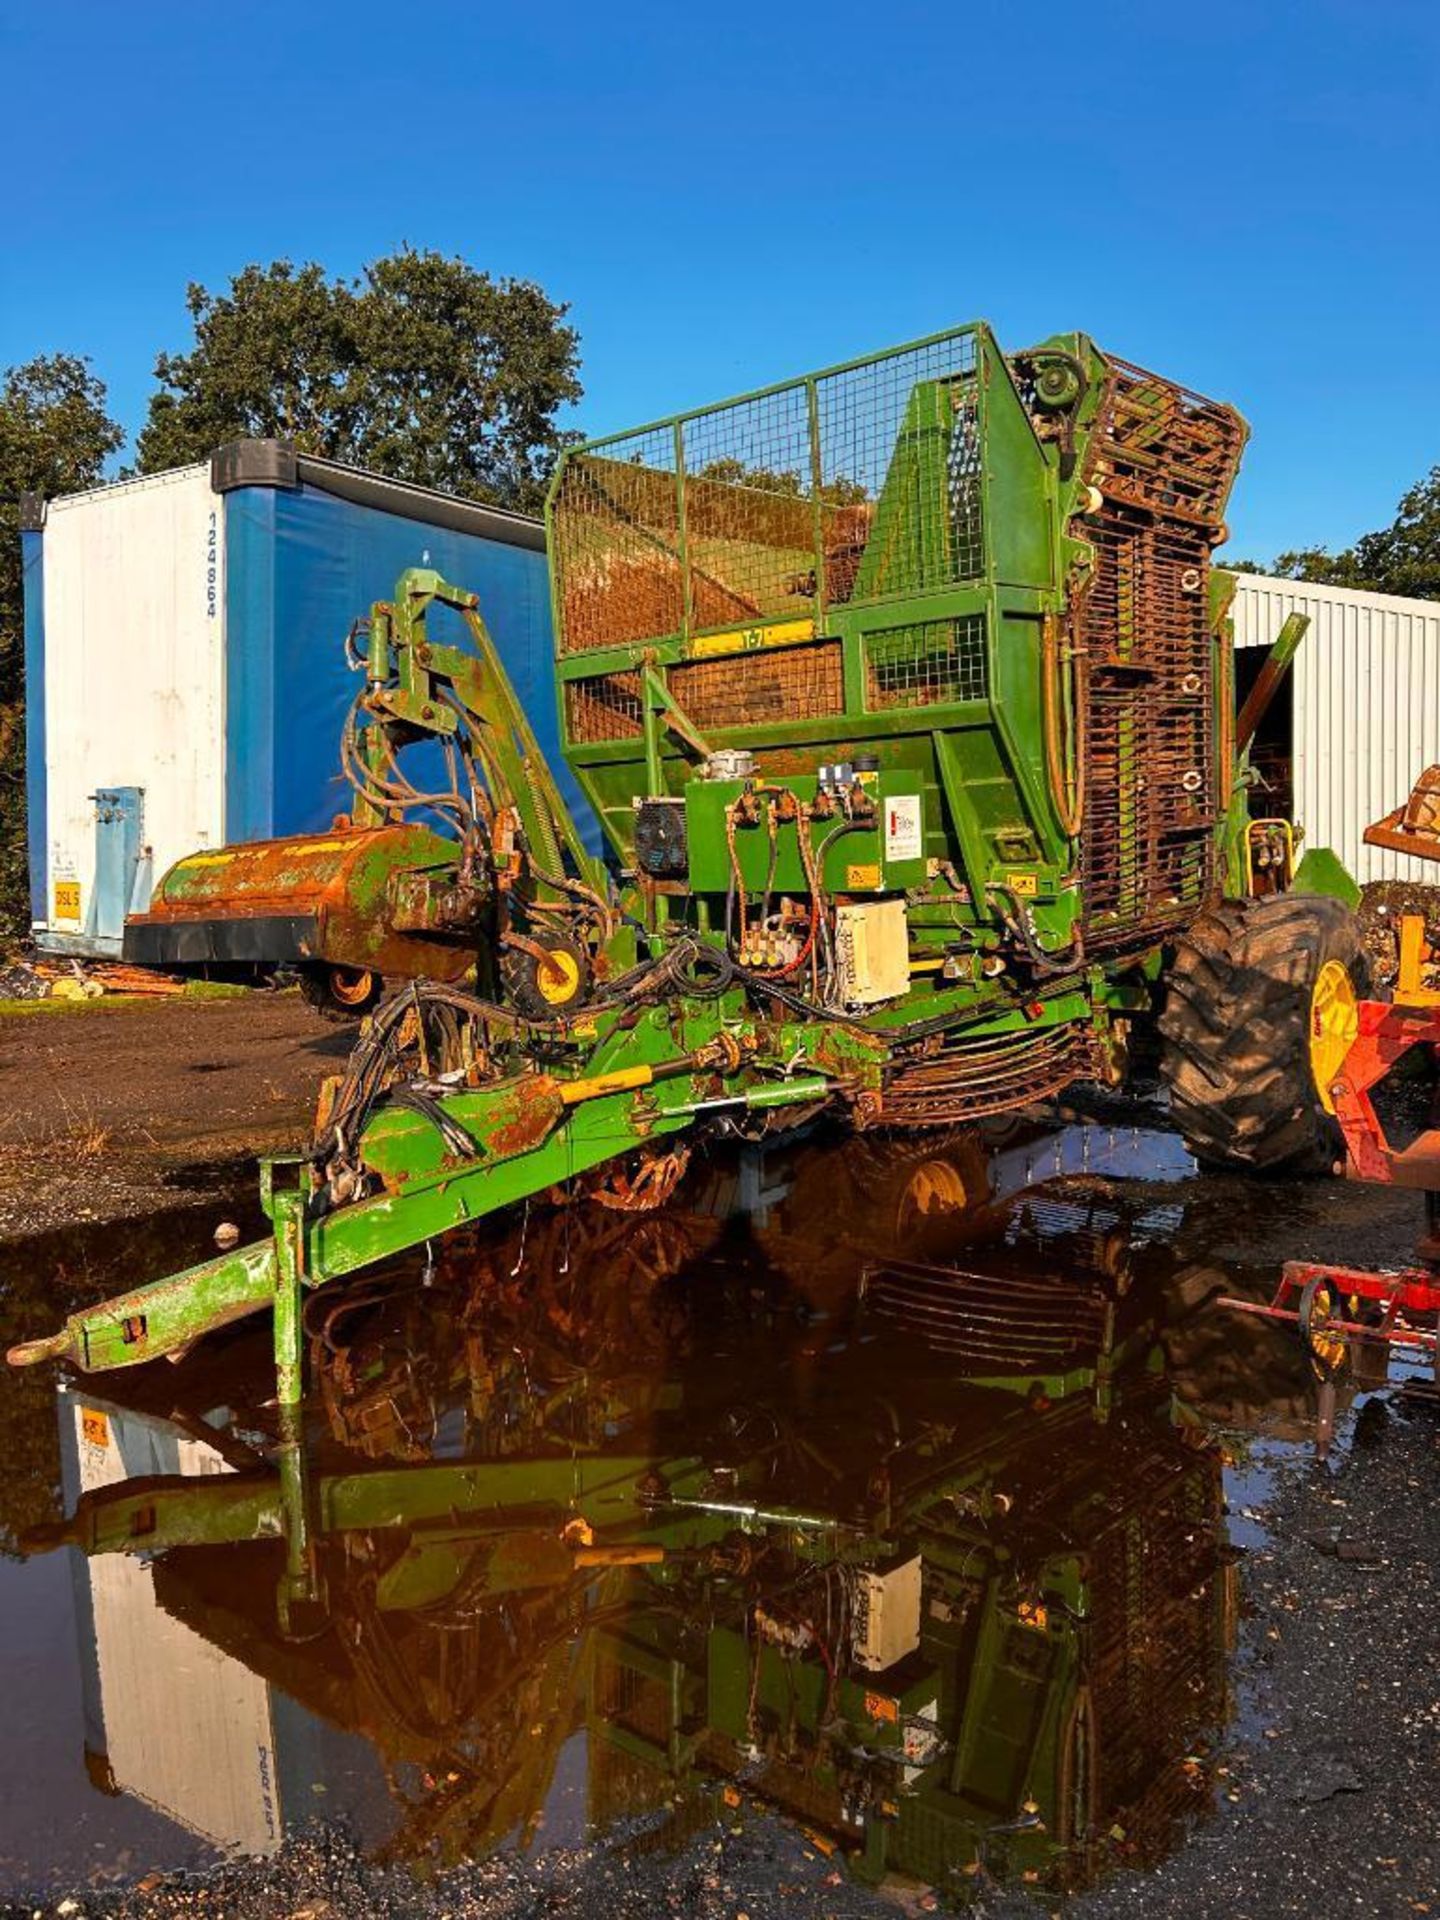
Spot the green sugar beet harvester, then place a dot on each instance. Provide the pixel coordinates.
(904, 695)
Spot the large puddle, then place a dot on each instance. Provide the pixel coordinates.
(880, 1485)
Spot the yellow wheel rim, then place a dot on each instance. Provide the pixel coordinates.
(1334, 1022)
(936, 1187)
(351, 986)
(1329, 1348)
(558, 977)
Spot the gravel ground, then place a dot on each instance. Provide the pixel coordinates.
(111, 1110)
(1382, 903)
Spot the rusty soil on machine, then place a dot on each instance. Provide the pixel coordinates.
(871, 1516)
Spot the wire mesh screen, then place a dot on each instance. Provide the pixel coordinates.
(733, 690)
(619, 554)
(853, 487)
(904, 433)
(934, 663)
(749, 511)
(757, 689)
(604, 706)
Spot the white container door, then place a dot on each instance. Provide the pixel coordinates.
(134, 680)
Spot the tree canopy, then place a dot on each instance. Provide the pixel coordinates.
(55, 437)
(1403, 558)
(423, 368)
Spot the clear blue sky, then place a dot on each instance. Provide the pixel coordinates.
(1243, 196)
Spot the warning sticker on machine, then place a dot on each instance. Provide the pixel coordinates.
(67, 899)
(904, 827)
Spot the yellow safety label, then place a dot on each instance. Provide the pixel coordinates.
(67, 899)
(878, 1707)
(859, 877)
(785, 633)
(94, 1427)
(1025, 883)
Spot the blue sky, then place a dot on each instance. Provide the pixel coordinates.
(1243, 196)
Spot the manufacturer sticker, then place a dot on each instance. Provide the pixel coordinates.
(904, 827)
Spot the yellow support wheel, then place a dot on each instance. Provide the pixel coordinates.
(558, 977)
(544, 974)
(1334, 1023)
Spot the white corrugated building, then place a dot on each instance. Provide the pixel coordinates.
(1360, 716)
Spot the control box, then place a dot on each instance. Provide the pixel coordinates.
(887, 1615)
(872, 951)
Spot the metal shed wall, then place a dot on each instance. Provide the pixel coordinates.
(1366, 704)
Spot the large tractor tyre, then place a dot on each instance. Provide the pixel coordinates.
(1259, 1012)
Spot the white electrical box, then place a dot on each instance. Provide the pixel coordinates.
(872, 951)
(887, 1615)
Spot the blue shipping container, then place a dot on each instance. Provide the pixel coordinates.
(186, 666)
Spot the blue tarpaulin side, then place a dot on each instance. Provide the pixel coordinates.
(32, 560)
(250, 665)
(301, 566)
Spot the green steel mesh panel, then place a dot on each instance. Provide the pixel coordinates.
(749, 515)
(604, 706)
(932, 664)
(851, 487)
(757, 689)
(902, 432)
(617, 544)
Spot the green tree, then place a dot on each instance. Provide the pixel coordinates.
(1403, 558)
(424, 368)
(55, 437)
(1321, 567)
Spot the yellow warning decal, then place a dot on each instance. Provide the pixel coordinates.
(1024, 883)
(67, 899)
(858, 877)
(878, 1707)
(785, 633)
(94, 1427)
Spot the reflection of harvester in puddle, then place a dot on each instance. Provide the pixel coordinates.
(953, 1627)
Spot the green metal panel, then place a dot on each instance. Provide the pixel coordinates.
(857, 856)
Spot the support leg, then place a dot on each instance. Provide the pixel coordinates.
(289, 1219)
(300, 1601)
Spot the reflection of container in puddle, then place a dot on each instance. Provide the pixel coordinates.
(170, 1716)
